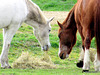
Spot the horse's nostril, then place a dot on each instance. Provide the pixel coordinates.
(62, 56)
(45, 48)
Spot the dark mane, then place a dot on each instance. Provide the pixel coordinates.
(70, 18)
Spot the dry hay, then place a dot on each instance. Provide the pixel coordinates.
(27, 61)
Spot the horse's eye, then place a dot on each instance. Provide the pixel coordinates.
(59, 36)
(49, 30)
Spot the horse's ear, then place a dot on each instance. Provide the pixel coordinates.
(51, 19)
(60, 25)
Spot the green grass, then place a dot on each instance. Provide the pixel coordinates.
(24, 40)
(67, 71)
(55, 5)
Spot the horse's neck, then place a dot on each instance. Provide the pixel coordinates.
(35, 13)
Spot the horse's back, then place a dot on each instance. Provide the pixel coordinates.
(84, 11)
(12, 11)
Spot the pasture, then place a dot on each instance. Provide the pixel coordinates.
(24, 40)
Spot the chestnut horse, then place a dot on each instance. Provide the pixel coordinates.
(84, 17)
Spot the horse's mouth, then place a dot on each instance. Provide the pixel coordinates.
(63, 55)
(45, 48)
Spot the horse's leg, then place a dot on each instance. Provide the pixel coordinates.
(96, 63)
(8, 34)
(86, 62)
(87, 42)
(2, 62)
(81, 58)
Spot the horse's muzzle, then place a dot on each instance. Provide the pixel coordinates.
(45, 48)
(63, 55)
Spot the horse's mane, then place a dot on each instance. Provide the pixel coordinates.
(35, 12)
(69, 17)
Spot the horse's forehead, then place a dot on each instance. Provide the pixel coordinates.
(48, 25)
(45, 27)
(62, 31)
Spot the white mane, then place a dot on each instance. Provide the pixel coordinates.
(35, 12)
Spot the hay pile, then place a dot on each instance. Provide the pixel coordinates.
(27, 61)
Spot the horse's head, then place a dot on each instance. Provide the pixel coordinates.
(42, 34)
(67, 35)
(67, 39)
(40, 23)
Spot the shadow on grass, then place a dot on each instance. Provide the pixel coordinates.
(92, 72)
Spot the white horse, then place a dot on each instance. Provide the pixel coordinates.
(12, 14)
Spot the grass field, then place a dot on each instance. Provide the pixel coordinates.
(55, 5)
(24, 40)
